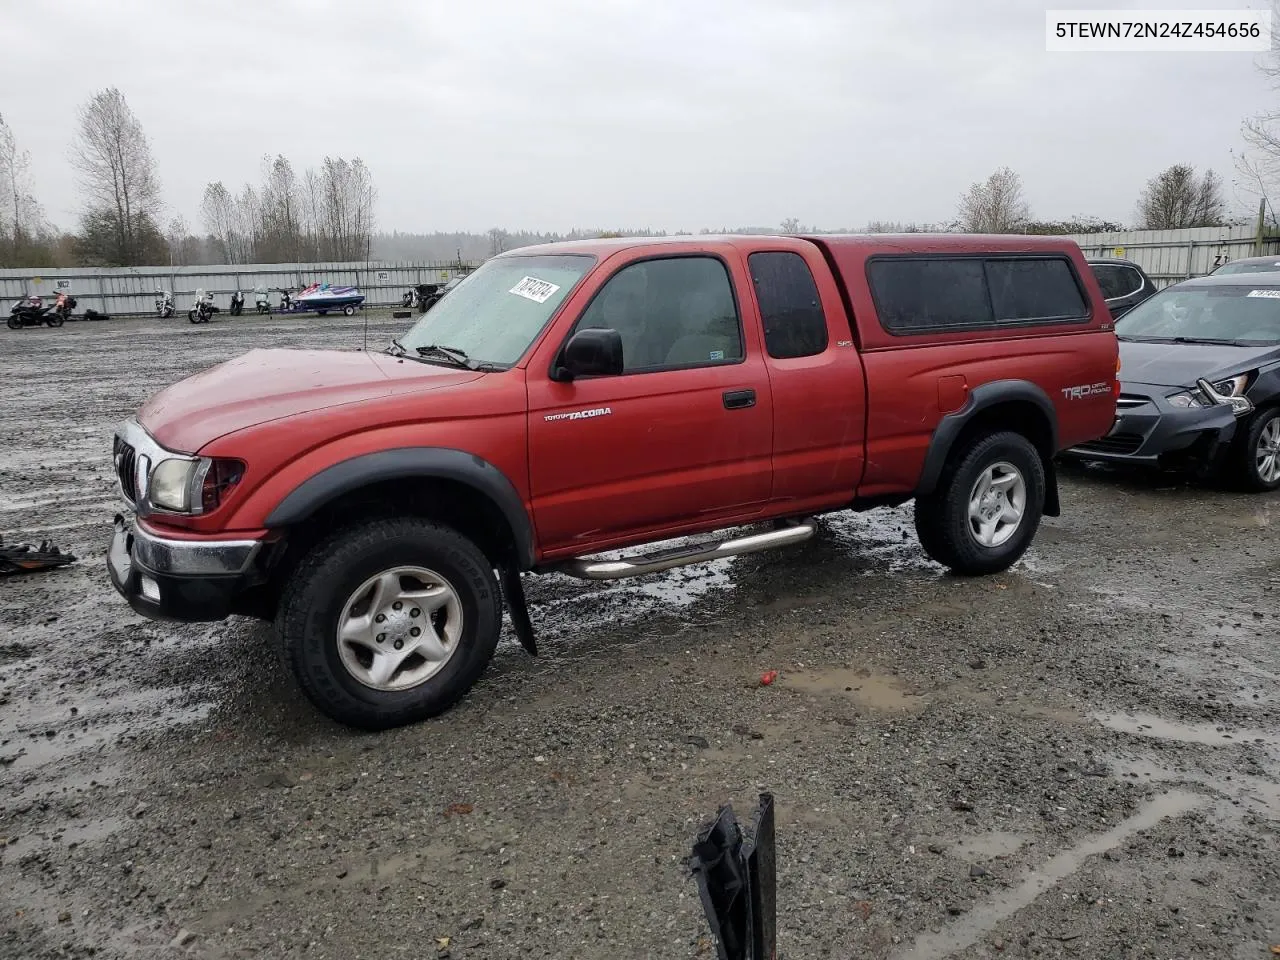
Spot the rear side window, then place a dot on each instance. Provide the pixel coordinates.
(794, 325)
(918, 295)
(1034, 290)
(1117, 281)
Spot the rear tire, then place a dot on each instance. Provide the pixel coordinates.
(318, 601)
(951, 522)
(53, 320)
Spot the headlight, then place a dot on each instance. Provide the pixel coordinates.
(171, 484)
(193, 486)
(1193, 399)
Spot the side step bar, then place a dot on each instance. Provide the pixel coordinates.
(637, 564)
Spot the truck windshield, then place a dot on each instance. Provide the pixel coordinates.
(1244, 315)
(495, 315)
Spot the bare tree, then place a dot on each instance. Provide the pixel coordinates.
(281, 212)
(248, 219)
(1176, 198)
(995, 205)
(22, 222)
(347, 197)
(218, 210)
(791, 225)
(1258, 165)
(119, 180)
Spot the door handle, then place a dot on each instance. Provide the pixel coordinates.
(738, 399)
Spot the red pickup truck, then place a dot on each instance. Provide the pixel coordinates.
(574, 399)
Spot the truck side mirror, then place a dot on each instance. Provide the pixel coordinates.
(590, 353)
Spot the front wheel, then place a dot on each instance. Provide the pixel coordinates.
(13, 323)
(390, 622)
(1255, 459)
(987, 506)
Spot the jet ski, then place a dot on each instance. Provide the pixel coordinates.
(321, 298)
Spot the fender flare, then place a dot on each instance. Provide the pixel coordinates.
(981, 398)
(443, 463)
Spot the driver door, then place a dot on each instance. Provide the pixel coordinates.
(683, 436)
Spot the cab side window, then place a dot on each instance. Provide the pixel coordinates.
(794, 325)
(672, 312)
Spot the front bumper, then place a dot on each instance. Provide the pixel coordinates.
(189, 581)
(1149, 431)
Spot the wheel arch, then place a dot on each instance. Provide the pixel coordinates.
(1017, 405)
(461, 489)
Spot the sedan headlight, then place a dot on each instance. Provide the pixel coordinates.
(192, 486)
(1223, 389)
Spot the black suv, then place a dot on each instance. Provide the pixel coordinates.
(1123, 283)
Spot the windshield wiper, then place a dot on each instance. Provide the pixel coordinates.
(400, 346)
(453, 354)
(1209, 340)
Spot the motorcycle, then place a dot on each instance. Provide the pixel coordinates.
(63, 306)
(286, 301)
(202, 308)
(31, 312)
(164, 304)
(261, 300)
(237, 303)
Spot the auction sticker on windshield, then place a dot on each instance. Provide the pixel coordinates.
(531, 288)
(1273, 293)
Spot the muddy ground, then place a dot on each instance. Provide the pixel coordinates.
(1080, 758)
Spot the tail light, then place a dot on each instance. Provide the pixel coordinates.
(221, 477)
(1116, 387)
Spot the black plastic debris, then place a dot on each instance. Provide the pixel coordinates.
(24, 558)
(737, 881)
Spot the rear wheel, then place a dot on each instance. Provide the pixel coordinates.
(54, 320)
(390, 622)
(987, 506)
(13, 323)
(1255, 456)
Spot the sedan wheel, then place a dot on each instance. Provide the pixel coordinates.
(1266, 452)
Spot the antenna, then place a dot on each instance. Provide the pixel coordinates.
(368, 242)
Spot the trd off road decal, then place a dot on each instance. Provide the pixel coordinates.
(1087, 390)
(580, 414)
(531, 288)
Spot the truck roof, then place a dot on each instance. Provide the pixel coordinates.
(921, 242)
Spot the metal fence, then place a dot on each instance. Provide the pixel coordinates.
(122, 291)
(1172, 255)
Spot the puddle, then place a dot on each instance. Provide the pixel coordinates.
(991, 845)
(1259, 794)
(1209, 734)
(874, 692)
(997, 908)
(78, 835)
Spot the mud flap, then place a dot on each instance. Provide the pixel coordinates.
(514, 590)
(737, 883)
(1052, 506)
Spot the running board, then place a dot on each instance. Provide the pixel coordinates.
(638, 564)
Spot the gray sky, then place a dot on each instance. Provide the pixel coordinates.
(671, 114)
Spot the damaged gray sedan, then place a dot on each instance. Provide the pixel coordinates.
(1200, 381)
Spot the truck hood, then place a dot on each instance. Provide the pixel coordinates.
(1179, 364)
(264, 385)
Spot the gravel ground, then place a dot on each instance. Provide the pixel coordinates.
(1079, 758)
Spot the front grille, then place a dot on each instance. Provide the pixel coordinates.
(126, 460)
(1122, 443)
(1127, 400)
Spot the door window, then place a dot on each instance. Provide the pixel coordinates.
(1117, 281)
(794, 325)
(671, 313)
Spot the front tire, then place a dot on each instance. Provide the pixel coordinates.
(374, 673)
(987, 506)
(1255, 459)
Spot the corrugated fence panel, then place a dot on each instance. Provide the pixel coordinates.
(1172, 255)
(122, 291)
